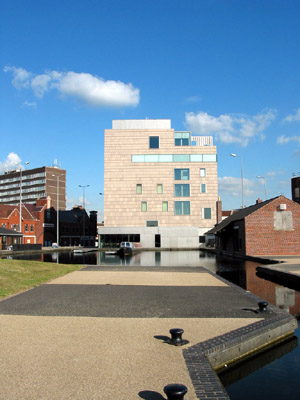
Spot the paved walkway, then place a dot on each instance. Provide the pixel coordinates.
(99, 333)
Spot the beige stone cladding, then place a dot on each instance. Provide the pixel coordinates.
(123, 205)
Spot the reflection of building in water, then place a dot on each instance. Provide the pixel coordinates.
(285, 298)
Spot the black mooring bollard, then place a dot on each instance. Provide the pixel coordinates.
(175, 391)
(263, 306)
(176, 338)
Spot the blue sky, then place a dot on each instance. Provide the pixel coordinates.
(226, 68)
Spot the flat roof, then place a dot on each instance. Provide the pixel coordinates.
(141, 124)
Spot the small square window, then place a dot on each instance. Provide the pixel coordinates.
(144, 206)
(206, 213)
(160, 188)
(139, 188)
(154, 142)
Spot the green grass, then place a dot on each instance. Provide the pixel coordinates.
(19, 275)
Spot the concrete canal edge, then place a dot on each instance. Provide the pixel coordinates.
(205, 359)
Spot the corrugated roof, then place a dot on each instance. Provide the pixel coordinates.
(239, 214)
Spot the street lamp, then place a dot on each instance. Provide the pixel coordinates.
(264, 180)
(20, 227)
(83, 187)
(57, 207)
(242, 178)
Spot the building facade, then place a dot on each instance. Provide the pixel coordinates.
(267, 228)
(10, 219)
(160, 186)
(35, 183)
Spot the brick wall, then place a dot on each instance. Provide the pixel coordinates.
(263, 239)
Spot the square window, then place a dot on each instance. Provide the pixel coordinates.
(139, 188)
(182, 190)
(202, 172)
(182, 207)
(154, 142)
(144, 206)
(206, 213)
(165, 206)
(181, 174)
(160, 188)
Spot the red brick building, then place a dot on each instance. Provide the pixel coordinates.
(10, 219)
(267, 228)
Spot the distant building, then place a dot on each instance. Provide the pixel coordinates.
(266, 228)
(296, 189)
(160, 185)
(36, 183)
(39, 224)
(10, 219)
(9, 237)
(76, 227)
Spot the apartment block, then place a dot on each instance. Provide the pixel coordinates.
(160, 185)
(35, 184)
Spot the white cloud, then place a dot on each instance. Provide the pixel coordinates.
(292, 118)
(21, 77)
(287, 139)
(192, 99)
(230, 128)
(233, 186)
(92, 90)
(40, 84)
(12, 162)
(29, 104)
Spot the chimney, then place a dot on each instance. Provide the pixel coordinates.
(49, 202)
(259, 200)
(219, 210)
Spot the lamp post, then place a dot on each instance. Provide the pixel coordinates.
(26, 163)
(242, 178)
(83, 188)
(57, 207)
(264, 180)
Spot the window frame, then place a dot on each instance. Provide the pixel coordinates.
(165, 203)
(144, 206)
(182, 171)
(203, 175)
(159, 187)
(181, 190)
(153, 142)
(182, 205)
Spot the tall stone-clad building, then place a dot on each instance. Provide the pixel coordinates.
(160, 186)
(35, 184)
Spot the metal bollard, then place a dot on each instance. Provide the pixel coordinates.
(175, 391)
(263, 306)
(176, 338)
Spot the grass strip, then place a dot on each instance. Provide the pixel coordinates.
(19, 275)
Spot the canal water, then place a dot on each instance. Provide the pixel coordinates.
(274, 374)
